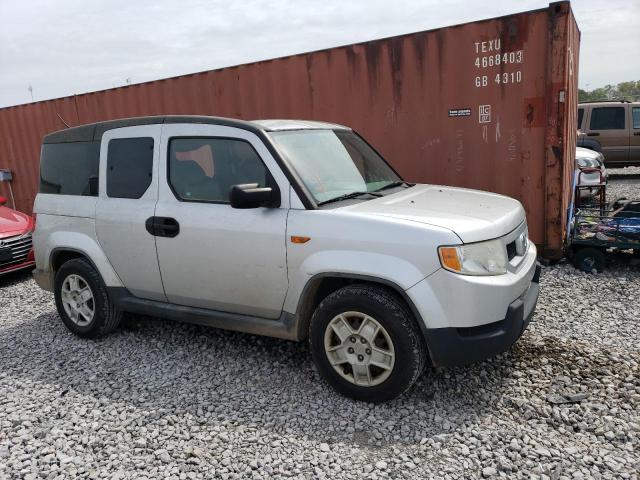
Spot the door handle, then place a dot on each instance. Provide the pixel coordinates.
(593, 134)
(169, 227)
(162, 226)
(637, 134)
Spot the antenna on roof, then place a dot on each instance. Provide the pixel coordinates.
(62, 120)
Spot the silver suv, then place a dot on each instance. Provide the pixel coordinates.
(291, 229)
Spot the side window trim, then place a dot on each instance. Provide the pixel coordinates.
(135, 131)
(270, 181)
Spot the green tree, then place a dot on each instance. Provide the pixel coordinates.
(622, 91)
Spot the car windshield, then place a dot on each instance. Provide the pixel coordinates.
(334, 163)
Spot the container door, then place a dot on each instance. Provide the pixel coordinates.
(212, 255)
(634, 140)
(608, 125)
(128, 196)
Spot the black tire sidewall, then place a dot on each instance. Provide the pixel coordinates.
(84, 270)
(394, 321)
(583, 254)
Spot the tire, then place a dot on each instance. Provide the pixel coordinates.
(106, 316)
(589, 259)
(398, 344)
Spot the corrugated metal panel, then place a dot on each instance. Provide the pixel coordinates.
(570, 134)
(21, 131)
(561, 131)
(475, 105)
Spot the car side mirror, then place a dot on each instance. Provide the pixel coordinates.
(3, 201)
(250, 195)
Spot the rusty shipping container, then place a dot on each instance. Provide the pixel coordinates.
(489, 105)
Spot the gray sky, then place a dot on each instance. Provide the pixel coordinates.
(64, 47)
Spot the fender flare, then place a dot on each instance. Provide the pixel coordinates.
(93, 254)
(303, 318)
(54, 253)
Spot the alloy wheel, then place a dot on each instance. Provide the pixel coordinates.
(77, 300)
(359, 349)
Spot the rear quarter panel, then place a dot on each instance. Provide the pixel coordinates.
(66, 222)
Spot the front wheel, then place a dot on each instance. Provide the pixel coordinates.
(366, 343)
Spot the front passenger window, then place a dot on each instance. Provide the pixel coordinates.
(205, 169)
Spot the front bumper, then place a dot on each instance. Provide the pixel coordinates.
(453, 346)
(15, 268)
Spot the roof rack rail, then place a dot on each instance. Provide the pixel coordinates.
(612, 100)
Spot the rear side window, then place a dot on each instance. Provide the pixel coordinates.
(607, 118)
(580, 115)
(635, 113)
(129, 167)
(205, 169)
(70, 168)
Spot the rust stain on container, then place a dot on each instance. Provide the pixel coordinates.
(489, 105)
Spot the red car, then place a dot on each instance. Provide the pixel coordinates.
(16, 250)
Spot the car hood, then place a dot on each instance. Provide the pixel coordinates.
(472, 214)
(13, 222)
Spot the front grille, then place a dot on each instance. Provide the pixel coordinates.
(14, 250)
(511, 250)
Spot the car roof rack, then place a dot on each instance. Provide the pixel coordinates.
(613, 100)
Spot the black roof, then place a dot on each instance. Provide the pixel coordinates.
(93, 132)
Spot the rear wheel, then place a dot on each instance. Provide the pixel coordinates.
(589, 260)
(82, 300)
(366, 344)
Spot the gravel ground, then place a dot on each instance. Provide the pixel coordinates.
(629, 188)
(159, 399)
(624, 171)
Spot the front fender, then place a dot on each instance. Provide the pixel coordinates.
(348, 263)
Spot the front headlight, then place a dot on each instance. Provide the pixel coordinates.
(482, 258)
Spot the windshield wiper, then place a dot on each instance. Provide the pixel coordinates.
(347, 196)
(394, 184)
